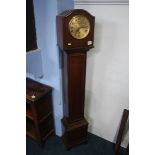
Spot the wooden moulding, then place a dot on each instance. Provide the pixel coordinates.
(121, 130)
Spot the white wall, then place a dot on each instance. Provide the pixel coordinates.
(49, 68)
(107, 86)
(34, 63)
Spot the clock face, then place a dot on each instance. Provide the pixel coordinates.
(79, 27)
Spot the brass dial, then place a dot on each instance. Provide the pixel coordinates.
(79, 26)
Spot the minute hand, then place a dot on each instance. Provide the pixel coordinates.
(81, 28)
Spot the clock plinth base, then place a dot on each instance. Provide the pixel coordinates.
(75, 133)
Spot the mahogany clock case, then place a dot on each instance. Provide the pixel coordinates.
(74, 54)
(65, 40)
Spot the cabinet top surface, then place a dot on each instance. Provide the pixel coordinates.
(35, 90)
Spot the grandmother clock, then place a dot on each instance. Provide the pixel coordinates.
(75, 36)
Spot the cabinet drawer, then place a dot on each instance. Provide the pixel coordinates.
(46, 126)
(43, 106)
(30, 128)
(29, 112)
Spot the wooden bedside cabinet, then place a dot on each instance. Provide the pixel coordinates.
(39, 115)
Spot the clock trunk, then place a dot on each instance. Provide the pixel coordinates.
(74, 123)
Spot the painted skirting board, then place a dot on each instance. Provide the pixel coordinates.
(101, 2)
